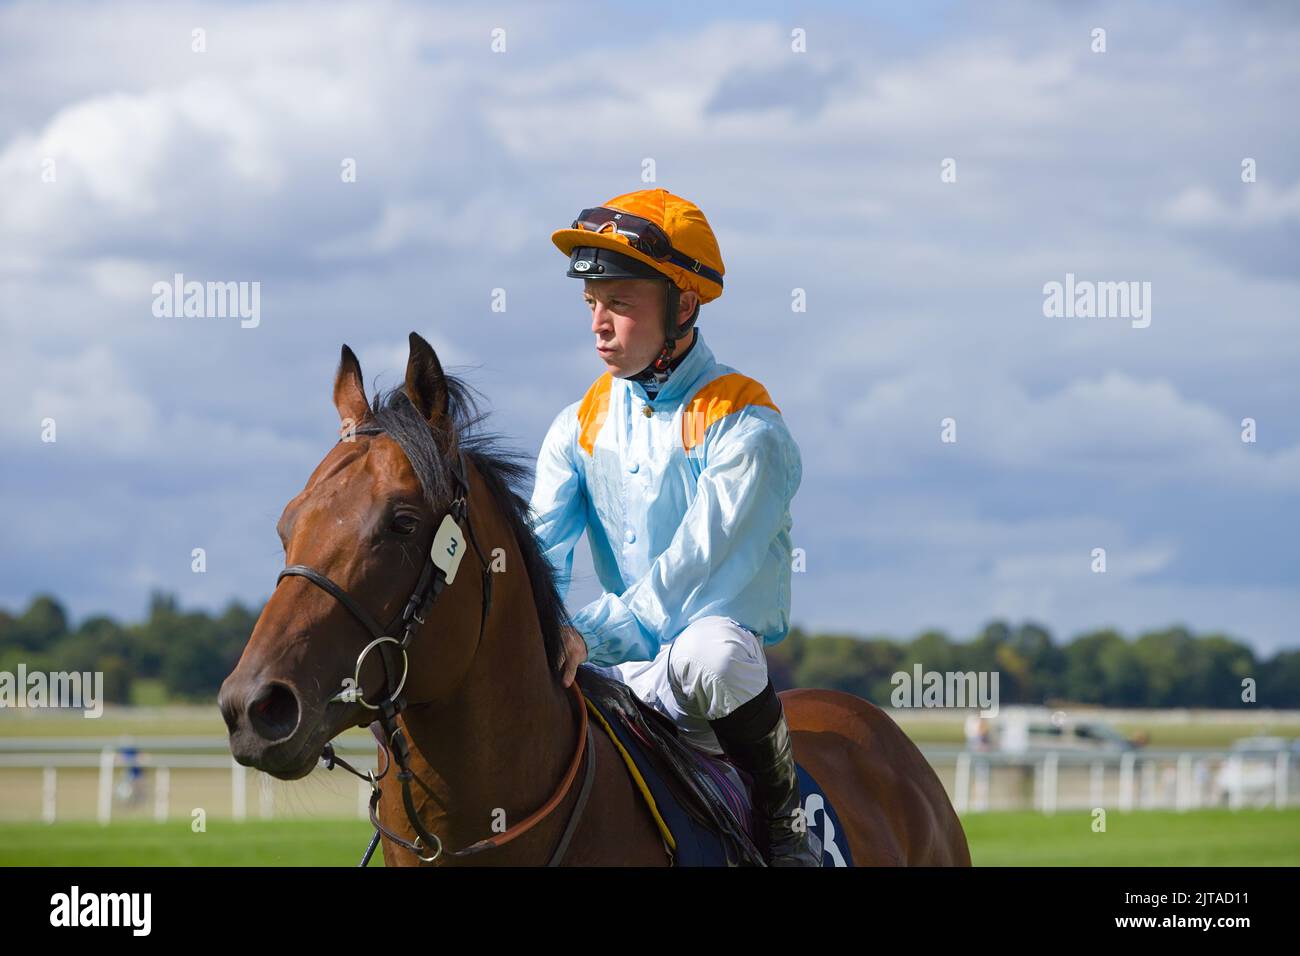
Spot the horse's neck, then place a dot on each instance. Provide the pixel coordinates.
(500, 739)
(498, 749)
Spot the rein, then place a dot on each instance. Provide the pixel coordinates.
(438, 572)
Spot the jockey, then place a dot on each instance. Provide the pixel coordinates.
(680, 470)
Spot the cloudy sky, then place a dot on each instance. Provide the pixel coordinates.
(127, 156)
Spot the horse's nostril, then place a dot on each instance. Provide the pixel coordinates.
(228, 713)
(274, 712)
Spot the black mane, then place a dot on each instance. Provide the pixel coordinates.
(504, 471)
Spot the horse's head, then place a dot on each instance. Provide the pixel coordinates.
(357, 543)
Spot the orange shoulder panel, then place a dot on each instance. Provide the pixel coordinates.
(718, 398)
(592, 412)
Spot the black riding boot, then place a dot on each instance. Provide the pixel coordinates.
(757, 737)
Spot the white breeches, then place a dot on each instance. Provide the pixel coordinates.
(708, 670)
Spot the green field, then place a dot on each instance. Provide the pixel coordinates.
(194, 720)
(1145, 838)
(259, 843)
(1200, 838)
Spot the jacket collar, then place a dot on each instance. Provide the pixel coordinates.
(697, 362)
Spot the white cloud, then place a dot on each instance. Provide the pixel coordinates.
(1262, 204)
(924, 297)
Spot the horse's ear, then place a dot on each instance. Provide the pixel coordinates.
(426, 386)
(349, 389)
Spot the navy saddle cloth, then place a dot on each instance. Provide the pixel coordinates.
(712, 822)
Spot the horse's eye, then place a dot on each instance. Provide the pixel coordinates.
(404, 524)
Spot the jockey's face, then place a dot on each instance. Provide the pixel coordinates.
(627, 318)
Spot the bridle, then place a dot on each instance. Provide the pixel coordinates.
(438, 571)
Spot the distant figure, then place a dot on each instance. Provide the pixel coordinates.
(130, 788)
(978, 736)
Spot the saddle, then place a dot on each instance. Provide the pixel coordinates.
(701, 803)
(706, 820)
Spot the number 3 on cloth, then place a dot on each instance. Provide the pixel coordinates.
(448, 547)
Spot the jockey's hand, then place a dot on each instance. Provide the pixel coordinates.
(574, 653)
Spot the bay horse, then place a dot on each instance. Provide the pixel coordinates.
(501, 764)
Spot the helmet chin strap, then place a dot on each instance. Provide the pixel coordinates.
(660, 368)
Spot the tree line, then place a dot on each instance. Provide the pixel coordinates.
(190, 653)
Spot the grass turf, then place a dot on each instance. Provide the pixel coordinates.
(1148, 838)
(254, 843)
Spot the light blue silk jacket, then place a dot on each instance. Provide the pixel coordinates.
(685, 500)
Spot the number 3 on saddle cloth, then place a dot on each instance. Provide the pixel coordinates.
(704, 819)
